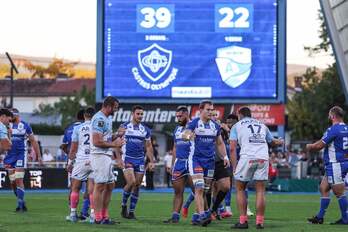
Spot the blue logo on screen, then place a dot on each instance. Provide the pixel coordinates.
(154, 61)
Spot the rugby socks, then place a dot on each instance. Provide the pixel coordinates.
(85, 207)
(91, 200)
(260, 219)
(324, 203)
(243, 219)
(125, 197)
(208, 197)
(219, 198)
(133, 202)
(98, 216)
(20, 197)
(175, 216)
(342, 202)
(189, 200)
(74, 200)
(195, 217)
(105, 213)
(228, 198)
(246, 194)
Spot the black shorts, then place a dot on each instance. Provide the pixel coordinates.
(220, 171)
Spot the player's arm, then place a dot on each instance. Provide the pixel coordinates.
(174, 155)
(222, 150)
(98, 141)
(317, 146)
(188, 135)
(149, 153)
(273, 141)
(118, 156)
(36, 147)
(5, 141)
(233, 152)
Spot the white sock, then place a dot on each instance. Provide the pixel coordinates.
(228, 208)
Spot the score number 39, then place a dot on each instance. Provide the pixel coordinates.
(160, 18)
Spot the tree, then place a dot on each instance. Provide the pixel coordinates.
(308, 110)
(69, 106)
(57, 66)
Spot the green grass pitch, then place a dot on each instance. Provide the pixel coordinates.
(47, 213)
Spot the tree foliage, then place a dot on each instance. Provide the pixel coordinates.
(56, 67)
(69, 106)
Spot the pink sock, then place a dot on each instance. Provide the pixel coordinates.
(243, 219)
(91, 201)
(74, 199)
(98, 216)
(105, 213)
(259, 219)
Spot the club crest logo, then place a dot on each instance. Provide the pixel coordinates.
(234, 64)
(154, 62)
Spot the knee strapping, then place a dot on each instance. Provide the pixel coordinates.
(12, 177)
(198, 183)
(19, 175)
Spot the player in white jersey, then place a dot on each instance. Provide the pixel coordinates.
(79, 163)
(252, 136)
(5, 135)
(102, 145)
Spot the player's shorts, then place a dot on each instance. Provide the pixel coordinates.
(251, 169)
(221, 171)
(15, 161)
(138, 165)
(201, 166)
(336, 172)
(102, 167)
(82, 170)
(180, 169)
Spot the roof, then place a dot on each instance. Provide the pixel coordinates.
(45, 87)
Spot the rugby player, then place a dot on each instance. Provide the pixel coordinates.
(335, 144)
(5, 131)
(102, 145)
(79, 164)
(180, 172)
(138, 139)
(15, 160)
(206, 135)
(252, 136)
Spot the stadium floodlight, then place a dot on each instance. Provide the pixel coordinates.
(336, 17)
(13, 68)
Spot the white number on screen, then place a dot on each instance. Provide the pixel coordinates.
(230, 14)
(160, 18)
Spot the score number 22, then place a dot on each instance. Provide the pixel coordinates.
(234, 17)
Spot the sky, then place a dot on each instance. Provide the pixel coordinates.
(67, 29)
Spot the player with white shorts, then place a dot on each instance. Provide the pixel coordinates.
(252, 136)
(79, 162)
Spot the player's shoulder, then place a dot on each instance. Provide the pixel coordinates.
(194, 121)
(2, 127)
(24, 123)
(125, 124)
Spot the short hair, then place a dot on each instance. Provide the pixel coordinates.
(245, 111)
(337, 111)
(232, 116)
(6, 112)
(204, 103)
(89, 112)
(110, 101)
(15, 111)
(80, 115)
(137, 107)
(182, 109)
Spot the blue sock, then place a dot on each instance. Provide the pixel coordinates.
(133, 202)
(342, 202)
(85, 207)
(175, 216)
(195, 217)
(20, 197)
(228, 198)
(324, 203)
(125, 197)
(189, 200)
(207, 213)
(221, 208)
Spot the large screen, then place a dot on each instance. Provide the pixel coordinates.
(188, 50)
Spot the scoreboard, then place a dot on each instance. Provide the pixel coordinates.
(182, 51)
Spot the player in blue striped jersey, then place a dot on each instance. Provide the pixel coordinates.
(180, 172)
(335, 144)
(138, 140)
(15, 160)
